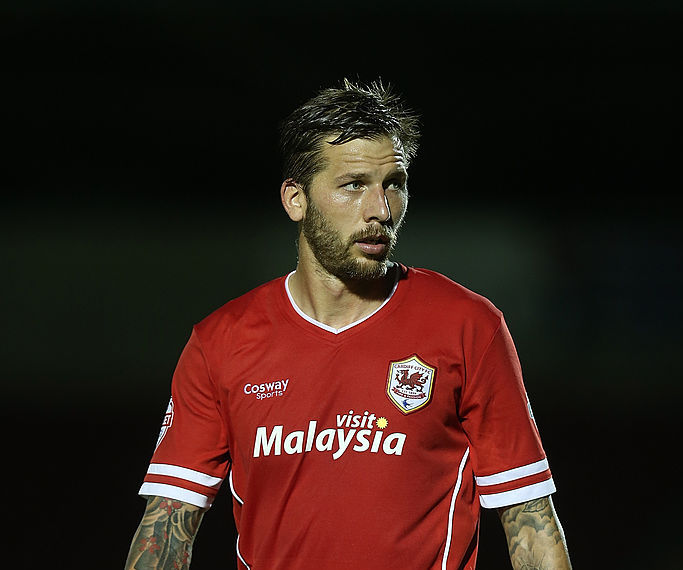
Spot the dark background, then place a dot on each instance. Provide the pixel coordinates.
(140, 192)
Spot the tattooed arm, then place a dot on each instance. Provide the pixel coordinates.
(535, 537)
(164, 538)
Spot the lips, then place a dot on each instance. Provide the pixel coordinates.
(373, 244)
(376, 239)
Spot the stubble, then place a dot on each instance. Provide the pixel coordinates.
(335, 255)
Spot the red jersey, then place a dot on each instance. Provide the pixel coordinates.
(372, 446)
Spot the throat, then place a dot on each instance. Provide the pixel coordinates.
(338, 306)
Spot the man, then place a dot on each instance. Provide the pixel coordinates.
(361, 411)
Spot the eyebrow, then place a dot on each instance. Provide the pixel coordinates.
(361, 175)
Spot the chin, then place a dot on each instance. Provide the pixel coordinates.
(367, 269)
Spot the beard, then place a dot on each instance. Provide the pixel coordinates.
(334, 253)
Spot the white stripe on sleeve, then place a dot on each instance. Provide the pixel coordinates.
(177, 493)
(512, 474)
(185, 473)
(516, 496)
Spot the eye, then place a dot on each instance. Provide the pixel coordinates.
(353, 186)
(395, 185)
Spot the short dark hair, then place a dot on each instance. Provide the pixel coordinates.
(351, 111)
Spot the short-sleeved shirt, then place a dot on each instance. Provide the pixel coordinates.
(371, 446)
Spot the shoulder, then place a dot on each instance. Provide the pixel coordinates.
(255, 304)
(437, 291)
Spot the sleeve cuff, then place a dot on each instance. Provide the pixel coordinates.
(516, 485)
(177, 493)
(180, 483)
(516, 496)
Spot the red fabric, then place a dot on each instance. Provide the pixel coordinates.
(275, 398)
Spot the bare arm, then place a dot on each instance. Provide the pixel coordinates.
(535, 537)
(164, 538)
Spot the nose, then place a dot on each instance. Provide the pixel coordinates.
(376, 206)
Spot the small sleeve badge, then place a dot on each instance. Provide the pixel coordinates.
(167, 423)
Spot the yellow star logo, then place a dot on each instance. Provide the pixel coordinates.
(382, 422)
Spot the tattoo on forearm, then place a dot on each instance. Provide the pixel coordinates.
(535, 538)
(536, 505)
(165, 536)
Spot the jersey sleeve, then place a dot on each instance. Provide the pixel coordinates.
(191, 457)
(510, 465)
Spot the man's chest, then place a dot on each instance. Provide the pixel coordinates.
(363, 395)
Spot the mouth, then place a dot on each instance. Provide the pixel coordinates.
(376, 239)
(373, 244)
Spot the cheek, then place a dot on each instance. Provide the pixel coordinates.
(343, 206)
(398, 204)
(341, 199)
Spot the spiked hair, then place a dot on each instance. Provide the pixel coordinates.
(351, 111)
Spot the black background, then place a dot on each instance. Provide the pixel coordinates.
(140, 187)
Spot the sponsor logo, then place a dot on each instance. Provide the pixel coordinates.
(410, 384)
(265, 390)
(354, 432)
(167, 423)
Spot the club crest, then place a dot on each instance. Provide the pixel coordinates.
(410, 384)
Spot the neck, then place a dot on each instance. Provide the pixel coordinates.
(335, 302)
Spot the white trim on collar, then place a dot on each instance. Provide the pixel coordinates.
(327, 327)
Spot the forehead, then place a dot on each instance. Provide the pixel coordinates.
(364, 154)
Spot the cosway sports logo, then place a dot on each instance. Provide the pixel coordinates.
(267, 389)
(370, 437)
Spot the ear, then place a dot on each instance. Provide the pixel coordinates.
(293, 199)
